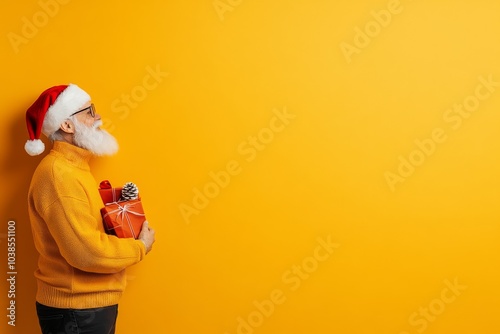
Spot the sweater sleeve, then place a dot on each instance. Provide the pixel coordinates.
(83, 245)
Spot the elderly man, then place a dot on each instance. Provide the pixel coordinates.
(81, 269)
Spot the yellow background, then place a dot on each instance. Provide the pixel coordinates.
(321, 176)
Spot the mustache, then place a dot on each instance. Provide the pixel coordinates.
(97, 124)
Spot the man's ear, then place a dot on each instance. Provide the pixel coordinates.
(67, 126)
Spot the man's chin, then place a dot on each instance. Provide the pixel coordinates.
(99, 141)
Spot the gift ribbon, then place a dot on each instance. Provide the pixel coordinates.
(113, 191)
(123, 212)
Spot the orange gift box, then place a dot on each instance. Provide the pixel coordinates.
(124, 219)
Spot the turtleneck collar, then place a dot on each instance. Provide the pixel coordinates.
(77, 156)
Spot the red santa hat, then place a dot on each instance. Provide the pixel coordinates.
(48, 112)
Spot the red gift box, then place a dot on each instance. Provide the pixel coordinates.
(108, 193)
(124, 219)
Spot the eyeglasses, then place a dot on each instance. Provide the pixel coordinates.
(91, 111)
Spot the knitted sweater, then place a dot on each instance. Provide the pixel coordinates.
(79, 265)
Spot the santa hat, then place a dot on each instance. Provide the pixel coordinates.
(48, 112)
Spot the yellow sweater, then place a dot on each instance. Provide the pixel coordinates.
(79, 265)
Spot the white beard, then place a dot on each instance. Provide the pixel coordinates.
(97, 141)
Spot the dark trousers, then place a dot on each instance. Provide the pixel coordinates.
(100, 320)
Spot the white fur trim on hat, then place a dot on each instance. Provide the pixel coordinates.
(34, 147)
(67, 103)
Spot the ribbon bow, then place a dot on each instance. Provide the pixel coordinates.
(123, 211)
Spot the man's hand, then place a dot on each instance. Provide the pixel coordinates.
(147, 236)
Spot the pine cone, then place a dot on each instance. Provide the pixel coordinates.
(129, 192)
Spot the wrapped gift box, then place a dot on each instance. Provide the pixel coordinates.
(124, 219)
(108, 193)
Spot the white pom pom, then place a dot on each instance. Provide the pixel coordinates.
(34, 147)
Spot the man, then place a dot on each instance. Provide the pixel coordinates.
(81, 269)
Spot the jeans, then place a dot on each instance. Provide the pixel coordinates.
(100, 320)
